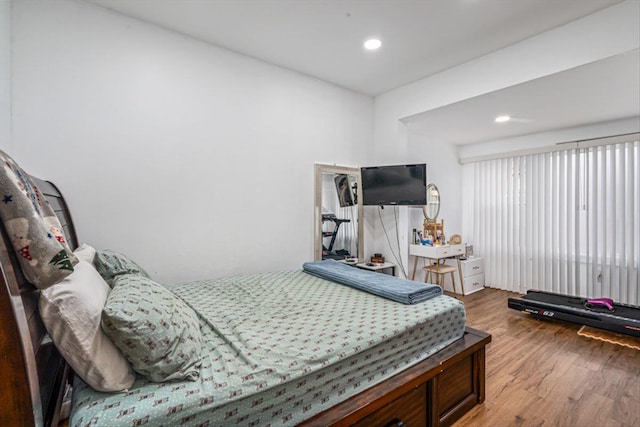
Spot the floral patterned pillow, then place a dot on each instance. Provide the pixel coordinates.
(33, 227)
(111, 264)
(156, 331)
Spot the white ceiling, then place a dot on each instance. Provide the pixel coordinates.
(323, 39)
(602, 91)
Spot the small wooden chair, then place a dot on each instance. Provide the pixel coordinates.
(440, 270)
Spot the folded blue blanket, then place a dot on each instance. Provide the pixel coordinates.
(393, 288)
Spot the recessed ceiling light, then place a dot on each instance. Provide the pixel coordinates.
(502, 119)
(372, 44)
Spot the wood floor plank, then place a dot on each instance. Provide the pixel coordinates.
(542, 373)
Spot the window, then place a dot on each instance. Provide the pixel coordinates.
(563, 221)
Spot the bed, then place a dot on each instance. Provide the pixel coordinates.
(395, 367)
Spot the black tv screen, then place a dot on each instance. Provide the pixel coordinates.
(394, 185)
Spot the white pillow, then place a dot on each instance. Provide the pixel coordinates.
(85, 252)
(71, 311)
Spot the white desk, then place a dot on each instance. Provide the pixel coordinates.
(437, 253)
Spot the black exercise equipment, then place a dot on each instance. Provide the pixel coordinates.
(328, 252)
(624, 319)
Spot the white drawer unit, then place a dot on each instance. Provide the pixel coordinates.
(471, 266)
(473, 273)
(473, 283)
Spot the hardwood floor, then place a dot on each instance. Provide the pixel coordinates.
(542, 373)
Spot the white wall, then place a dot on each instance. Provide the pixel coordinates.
(189, 145)
(606, 33)
(442, 170)
(5, 76)
(195, 161)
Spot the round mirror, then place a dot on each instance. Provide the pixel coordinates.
(432, 208)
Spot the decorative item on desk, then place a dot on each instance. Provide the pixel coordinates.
(377, 259)
(435, 229)
(415, 237)
(456, 239)
(468, 251)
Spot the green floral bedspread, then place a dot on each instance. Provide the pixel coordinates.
(278, 348)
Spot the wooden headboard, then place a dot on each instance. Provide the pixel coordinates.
(34, 375)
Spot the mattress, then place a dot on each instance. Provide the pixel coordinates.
(279, 348)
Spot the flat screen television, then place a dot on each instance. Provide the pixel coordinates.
(394, 185)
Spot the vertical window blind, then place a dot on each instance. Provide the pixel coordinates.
(564, 221)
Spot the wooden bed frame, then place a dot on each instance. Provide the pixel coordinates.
(434, 392)
(33, 373)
